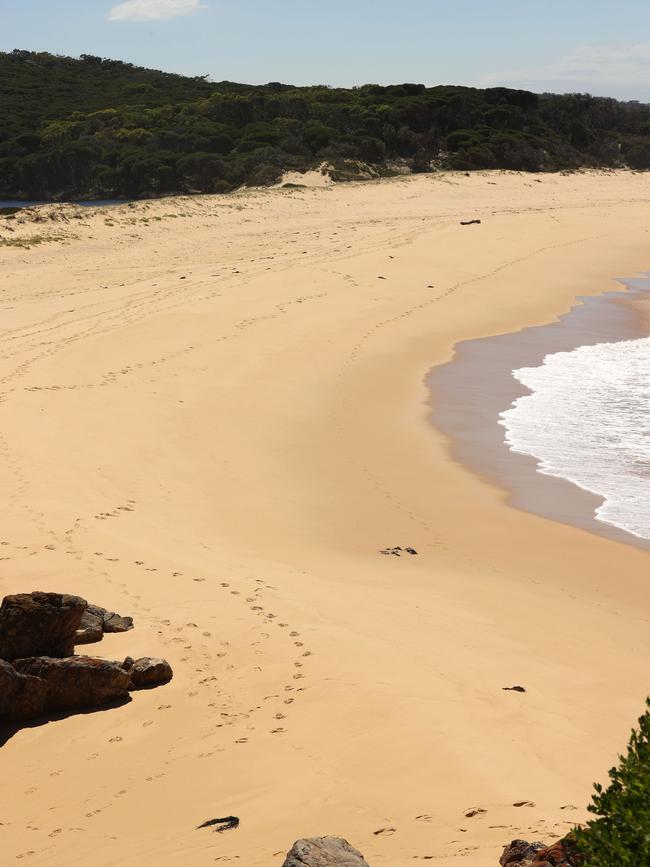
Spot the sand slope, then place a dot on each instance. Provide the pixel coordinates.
(212, 417)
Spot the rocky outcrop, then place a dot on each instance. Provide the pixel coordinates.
(95, 621)
(39, 624)
(21, 697)
(324, 852)
(148, 672)
(39, 673)
(520, 853)
(77, 682)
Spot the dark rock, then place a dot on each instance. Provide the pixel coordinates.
(148, 671)
(128, 663)
(39, 624)
(324, 852)
(470, 222)
(89, 632)
(520, 852)
(557, 855)
(96, 621)
(513, 689)
(524, 854)
(21, 697)
(116, 623)
(228, 823)
(77, 682)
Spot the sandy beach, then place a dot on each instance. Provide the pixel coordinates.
(213, 415)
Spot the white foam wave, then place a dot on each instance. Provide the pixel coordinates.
(587, 420)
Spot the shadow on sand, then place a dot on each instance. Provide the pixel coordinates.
(8, 730)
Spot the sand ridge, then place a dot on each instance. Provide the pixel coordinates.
(213, 417)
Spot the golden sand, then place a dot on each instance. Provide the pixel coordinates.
(212, 417)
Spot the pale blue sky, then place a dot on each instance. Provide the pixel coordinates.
(600, 46)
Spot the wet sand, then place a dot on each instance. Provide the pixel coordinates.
(469, 392)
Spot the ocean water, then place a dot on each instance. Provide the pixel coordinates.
(587, 420)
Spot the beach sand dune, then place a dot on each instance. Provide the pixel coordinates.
(213, 416)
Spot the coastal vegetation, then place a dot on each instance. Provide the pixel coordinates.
(92, 127)
(620, 835)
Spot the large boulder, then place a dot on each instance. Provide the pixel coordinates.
(77, 682)
(148, 671)
(95, 621)
(324, 852)
(39, 624)
(21, 697)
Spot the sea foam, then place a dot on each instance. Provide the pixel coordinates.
(587, 419)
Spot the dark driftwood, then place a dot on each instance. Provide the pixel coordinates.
(228, 823)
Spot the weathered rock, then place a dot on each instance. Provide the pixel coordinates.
(90, 633)
(96, 621)
(116, 623)
(21, 697)
(520, 852)
(557, 855)
(77, 682)
(148, 671)
(324, 852)
(39, 624)
(524, 854)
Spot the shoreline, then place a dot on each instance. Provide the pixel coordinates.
(213, 417)
(468, 393)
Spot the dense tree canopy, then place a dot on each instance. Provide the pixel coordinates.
(95, 128)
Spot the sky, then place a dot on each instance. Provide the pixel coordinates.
(596, 46)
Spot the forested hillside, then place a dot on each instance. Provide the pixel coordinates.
(100, 128)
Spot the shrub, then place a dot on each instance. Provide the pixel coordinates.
(620, 836)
